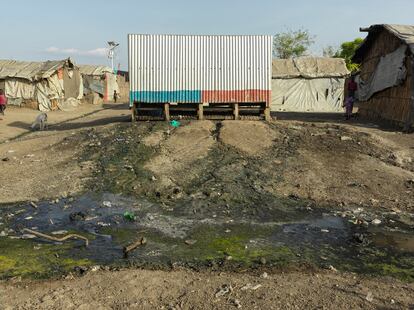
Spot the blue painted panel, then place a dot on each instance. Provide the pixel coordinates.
(166, 96)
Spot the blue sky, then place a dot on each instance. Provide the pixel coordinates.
(45, 29)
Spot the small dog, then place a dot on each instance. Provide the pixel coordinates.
(40, 120)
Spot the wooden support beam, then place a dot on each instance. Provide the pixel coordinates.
(167, 111)
(134, 112)
(236, 111)
(200, 111)
(267, 115)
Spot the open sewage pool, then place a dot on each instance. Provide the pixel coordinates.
(300, 236)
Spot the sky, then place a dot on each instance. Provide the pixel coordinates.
(47, 30)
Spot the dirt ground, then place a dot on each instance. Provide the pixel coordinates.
(181, 289)
(327, 161)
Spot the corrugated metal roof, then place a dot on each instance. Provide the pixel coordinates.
(309, 67)
(94, 70)
(403, 32)
(31, 71)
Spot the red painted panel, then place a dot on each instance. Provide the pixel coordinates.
(227, 96)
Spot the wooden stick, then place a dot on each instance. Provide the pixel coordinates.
(134, 245)
(71, 236)
(34, 205)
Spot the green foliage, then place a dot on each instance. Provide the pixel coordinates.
(347, 51)
(292, 43)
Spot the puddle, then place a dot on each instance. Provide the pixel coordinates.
(178, 237)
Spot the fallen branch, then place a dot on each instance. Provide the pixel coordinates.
(71, 236)
(34, 205)
(134, 245)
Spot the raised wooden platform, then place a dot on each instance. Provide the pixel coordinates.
(166, 111)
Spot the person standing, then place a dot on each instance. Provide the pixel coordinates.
(115, 96)
(3, 101)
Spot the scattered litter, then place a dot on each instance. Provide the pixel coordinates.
(95, 268)
(228, 231)
(229, 257)
(59, 232)
(237, 303)
(223, 290)
(3, 233)
(376, 222)
(28, 218)
(346, 138)
(190, 242)
(107, 204)
(28, 156)
(71, 236)
(78, 216)
(134, 245)
(28, 236)
(264, 275)
(252, 287)
(369, 297)
(102, 224)
(332, 268)
(175, 123)
(129, 216)
(324, 230)
(34, 205)
(10, 151)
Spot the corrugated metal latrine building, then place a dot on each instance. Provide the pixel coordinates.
(200, 69)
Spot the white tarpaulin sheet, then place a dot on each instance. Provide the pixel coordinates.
(308, 95)
(389, 72)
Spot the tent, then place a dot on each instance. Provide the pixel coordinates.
(308, 84)
(385, 83)
(99, 80)
(46, 84)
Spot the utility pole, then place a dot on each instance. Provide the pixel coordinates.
(111, 52)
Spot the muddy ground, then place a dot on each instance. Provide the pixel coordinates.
(226, 175)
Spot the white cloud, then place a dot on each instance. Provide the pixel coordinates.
(100, 51)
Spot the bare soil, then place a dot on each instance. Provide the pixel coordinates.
(329, 162)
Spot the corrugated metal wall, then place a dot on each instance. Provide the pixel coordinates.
(181, 68)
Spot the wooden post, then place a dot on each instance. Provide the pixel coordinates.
(167, 111)
(200, 111)
(236, 111)
(134, 112)
(267, 115)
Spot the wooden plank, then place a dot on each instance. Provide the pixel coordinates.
(134, 113)
(236, 111)
(200, 111)
(167, 111)
(267, 115)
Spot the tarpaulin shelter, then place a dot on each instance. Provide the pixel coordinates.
(308, 84)
(47, 84)
(386, 89)
(99, 80)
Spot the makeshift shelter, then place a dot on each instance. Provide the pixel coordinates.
(386, 89)
(43, 85)
(99, 81)
(308, 84)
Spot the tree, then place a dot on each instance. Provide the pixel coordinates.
(292, 43)
(347, 51)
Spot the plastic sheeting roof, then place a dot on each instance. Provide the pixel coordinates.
(31, 71)
(309, 67)
(403, 32)
(94, 70)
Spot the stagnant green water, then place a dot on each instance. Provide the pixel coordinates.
(288, 235)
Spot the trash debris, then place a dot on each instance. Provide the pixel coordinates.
(376, 222)
(134, 245)
(223, 290)
(237, 303)
(252, 287)
(78, 216)
(190, 242)
(175, 123)
(346, 138)
(369, 297)
(107, 204)
(71, 236)
(264, 275)
(28, 236)
(59, 232)
(34, 205)
(332, 268)
(324, 230)
(129, 216)
(28, 218)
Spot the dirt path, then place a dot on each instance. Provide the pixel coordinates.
(142, 289)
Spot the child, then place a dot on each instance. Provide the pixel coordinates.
(349, 106)
(3, 102)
